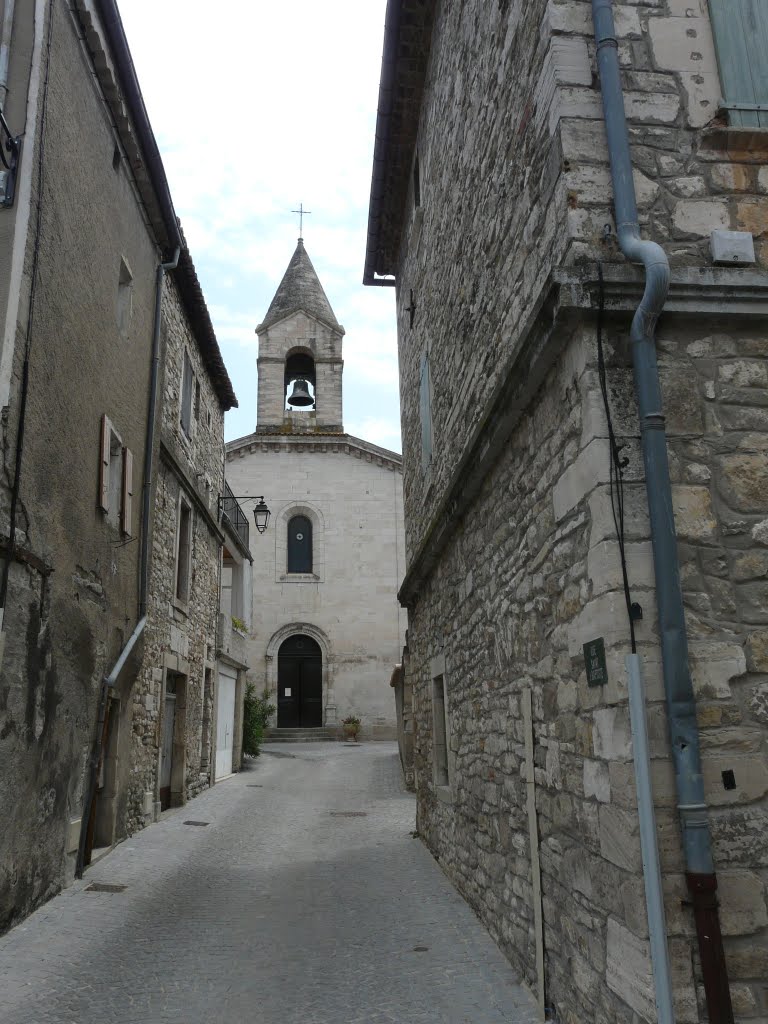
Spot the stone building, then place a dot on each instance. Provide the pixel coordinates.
(89, 243)
(327, 629)
(177, 705)
(492, 212)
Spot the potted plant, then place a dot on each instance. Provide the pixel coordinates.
(351, 727)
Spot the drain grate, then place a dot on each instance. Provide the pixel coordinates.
(255, 785)
(105, 887)
(349, 814)
(201, 823)
(420, 949)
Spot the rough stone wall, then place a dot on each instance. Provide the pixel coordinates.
(73, 600)
(515, 183)
(533, 575)
(179, 638)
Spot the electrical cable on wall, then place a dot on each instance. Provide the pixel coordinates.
(618, 464)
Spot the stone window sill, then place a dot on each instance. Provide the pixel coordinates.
(736, 138)
(444, 794)
(180, 608)
(300, 577)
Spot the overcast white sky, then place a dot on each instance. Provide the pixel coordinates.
(258, 106)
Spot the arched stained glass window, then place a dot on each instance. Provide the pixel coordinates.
(300, 544)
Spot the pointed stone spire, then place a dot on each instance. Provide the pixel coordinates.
(300, 289)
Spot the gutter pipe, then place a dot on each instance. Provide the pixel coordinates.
(5, 49)
(107, 683)
(681, 703)
(383, 119)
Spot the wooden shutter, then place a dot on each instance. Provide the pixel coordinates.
(106, 436)
(740, 29)
(425, 411)
(126, 505)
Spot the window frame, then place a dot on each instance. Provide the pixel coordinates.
(442, 756)
(183, 553)
(115, 478)
(425, 412)
(186, 396)
(299, 571)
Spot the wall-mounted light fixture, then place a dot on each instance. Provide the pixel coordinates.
(228, 506)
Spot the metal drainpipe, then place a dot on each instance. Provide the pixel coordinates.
(109, 680)
(681, 704)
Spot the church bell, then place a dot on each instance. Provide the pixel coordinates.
(300, 395)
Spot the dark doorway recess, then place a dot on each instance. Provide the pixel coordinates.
(299, 683)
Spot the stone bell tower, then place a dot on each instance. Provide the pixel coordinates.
(300, 364)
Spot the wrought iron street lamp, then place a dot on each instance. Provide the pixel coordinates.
(261, 512)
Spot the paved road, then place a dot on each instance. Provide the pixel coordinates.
(284, 909)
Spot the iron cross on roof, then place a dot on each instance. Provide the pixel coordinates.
(301, 212)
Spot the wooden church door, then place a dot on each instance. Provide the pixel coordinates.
(299, 684)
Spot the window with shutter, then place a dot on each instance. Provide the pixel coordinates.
(187, 384)
(740, 28)
(106, 435)
(183, 551)
(126, 504)
(300, 544)
(425, 410)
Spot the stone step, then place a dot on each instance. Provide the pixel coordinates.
(328, 733)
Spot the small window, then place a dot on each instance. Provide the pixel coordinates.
(187, 388)
(425, 412)
(183, 551)
(740, 28)
(300, 544)
(416, 183)
(115, 157)
(197, 400)
(124, 296)
(439, 732)
(115, 478)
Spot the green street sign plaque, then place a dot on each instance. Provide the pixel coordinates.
(594, 659)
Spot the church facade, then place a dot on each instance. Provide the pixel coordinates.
(327, 628)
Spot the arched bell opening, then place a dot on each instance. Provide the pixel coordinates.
(300, 381)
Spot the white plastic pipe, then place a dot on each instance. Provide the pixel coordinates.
(5, 49)
(654, 895)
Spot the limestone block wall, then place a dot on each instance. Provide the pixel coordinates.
(179, 639)
(349, 602)
(299, 331)
(534, 574)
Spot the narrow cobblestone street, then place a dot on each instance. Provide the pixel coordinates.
(304, 899)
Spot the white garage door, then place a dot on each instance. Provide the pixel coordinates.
(225, 723)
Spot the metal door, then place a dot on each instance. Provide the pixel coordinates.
(166, 755)
(225, 724)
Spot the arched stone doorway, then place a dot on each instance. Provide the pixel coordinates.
(299, 683)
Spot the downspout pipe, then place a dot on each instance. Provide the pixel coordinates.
(680, 700)
(110, 680)
(93, 765)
